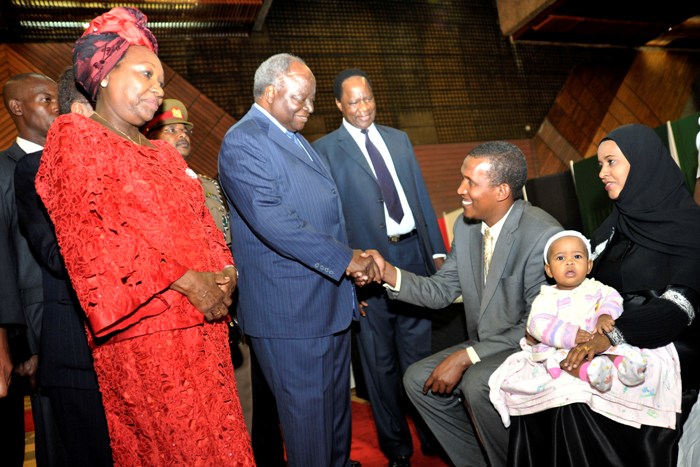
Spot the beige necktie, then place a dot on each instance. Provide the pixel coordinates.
(488, 251)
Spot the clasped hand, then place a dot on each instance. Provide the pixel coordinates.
(598, 343)
(365, 267)
(209, 292)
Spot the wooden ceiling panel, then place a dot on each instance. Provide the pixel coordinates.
(624, 23)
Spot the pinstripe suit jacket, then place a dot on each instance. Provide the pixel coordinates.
(288, 234)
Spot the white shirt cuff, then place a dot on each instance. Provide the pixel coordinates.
(397, 287)
(472, 355)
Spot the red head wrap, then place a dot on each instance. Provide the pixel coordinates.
(105, 42)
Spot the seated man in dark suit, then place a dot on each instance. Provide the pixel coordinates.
(496, 264)
(66, 372)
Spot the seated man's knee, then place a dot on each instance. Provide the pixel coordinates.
(474, 385)
(415, 377)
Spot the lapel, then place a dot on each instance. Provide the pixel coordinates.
(276, 135)
(15, 152)
(501, 252)
(394, 152)
(348, 144)
(477, 254)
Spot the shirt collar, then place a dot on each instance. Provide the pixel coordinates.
(354, 131)
(272, 119)
(28, 146)
(496, 228)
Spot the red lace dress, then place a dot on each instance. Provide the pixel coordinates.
(130, 220)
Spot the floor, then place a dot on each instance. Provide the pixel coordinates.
(364, 445)
(29, 455)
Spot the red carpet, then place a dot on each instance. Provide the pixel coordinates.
(365, 446)
(28, 420)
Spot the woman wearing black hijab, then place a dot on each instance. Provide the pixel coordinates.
(649, 250)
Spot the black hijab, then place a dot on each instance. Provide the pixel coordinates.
(654, 208)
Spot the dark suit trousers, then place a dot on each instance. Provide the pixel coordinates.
(310, 379)
(12, 425)
(82, 426)
(393, 336)
(266, 437)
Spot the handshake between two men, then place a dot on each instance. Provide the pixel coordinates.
(369, 266)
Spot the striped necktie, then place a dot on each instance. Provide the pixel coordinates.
(386, 181)
(293, 136)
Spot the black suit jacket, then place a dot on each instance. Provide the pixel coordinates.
(20, 286)
(65, 360)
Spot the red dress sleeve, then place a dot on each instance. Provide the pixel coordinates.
(124, 215)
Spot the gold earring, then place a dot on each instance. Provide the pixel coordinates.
(103, 83)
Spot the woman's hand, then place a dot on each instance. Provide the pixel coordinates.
(203, 291)
(583, 336)
(227, 280)
(598, 344)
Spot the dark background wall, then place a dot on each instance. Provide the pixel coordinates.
(441, 70)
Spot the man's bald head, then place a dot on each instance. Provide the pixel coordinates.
(31, 101)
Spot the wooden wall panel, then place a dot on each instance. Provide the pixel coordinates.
(211, 121)
(4, 65)
(652, 88)
(47, 58)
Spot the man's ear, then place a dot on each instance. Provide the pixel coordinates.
(503, 192)
(339, 105)
(15, 107)
(269, 93)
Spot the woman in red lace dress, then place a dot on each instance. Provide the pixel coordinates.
(150, 268)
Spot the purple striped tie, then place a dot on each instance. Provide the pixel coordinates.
(386, 182)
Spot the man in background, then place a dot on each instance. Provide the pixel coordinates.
(170, 124)
(30, 100)
(387, 207)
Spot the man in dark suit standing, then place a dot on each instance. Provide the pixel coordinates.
(30, 99)
(296, 300)
(496, 264)
(66, 371)
(392, 335)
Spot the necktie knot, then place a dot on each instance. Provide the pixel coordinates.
(293, 136)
